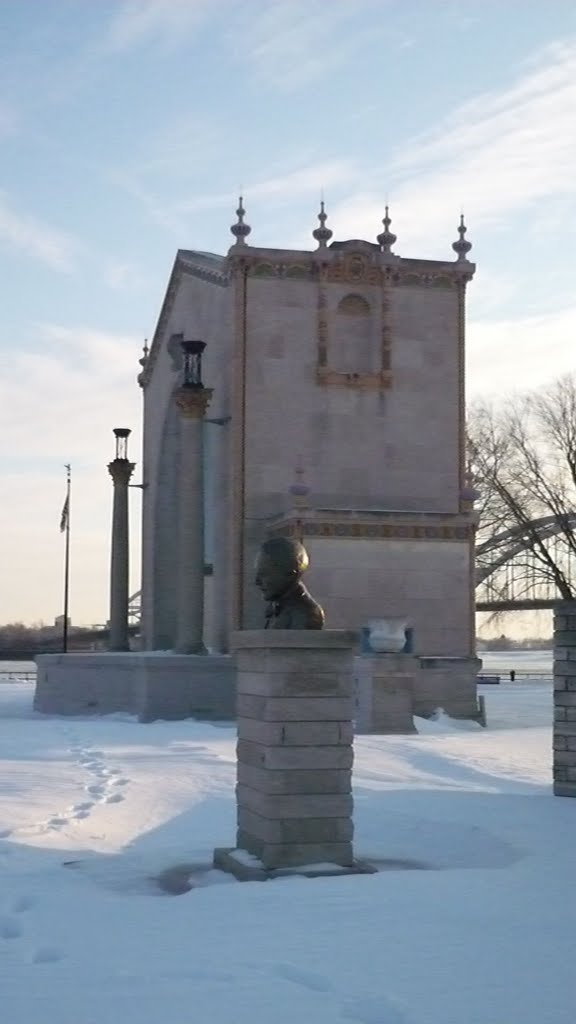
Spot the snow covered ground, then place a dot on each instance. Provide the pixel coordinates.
(481, 930)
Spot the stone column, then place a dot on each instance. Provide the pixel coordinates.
(565, 699)
(120, 470)
(294, 781)
(192, 402)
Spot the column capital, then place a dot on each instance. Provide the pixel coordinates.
(192, 402)
(121, 470)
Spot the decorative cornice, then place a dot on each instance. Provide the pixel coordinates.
(182, 267)
(121, 470)
(362, 381)
(353, 263)
(371, 531)
(213, 276)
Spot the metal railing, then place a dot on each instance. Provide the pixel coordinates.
(14, 676)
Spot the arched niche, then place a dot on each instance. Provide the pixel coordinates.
(352, 343)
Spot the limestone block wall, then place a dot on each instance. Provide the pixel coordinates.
(362, 448)
(427, 581)
(565, 699)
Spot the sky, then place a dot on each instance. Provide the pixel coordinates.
(127, 129)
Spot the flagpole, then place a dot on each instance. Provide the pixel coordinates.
(66, 563)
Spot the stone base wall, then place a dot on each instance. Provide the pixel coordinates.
(448, 683)
(384, 693)
(151, 686)
(391, 688)
(294, 784)
(565, 699)
(388, 689)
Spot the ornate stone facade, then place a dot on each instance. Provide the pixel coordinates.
(348, 360)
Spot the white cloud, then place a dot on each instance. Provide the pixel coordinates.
(8, 118)
(285, 187)
(124, 276)
(59, 404)
(493, 156)
(516, 354)
(165, 22)
(308, 180)
(289, 45)
(44, 243)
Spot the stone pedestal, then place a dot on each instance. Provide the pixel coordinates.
(384, 693)
(192, 403)
(294, 782)
(120, 470)
(565, 699)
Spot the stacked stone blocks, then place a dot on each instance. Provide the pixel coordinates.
(294, 781)
(565, 699)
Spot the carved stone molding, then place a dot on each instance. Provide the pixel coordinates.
(370, 531)
(362, 381)
(192, 402)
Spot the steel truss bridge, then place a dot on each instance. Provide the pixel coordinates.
(508, 575)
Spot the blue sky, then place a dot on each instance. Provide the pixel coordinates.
(126, 130)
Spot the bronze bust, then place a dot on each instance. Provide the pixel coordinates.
(279, 567)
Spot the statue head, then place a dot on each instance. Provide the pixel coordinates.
(280, 563)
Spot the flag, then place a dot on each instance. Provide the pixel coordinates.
(65, 513)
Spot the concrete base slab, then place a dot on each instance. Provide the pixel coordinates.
(247, 868)
(150, 684)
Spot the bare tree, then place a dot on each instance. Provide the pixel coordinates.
(523, 463)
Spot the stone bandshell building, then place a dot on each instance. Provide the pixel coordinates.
(337, 416)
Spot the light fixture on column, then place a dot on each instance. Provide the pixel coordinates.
(193, 363)
(122, 434)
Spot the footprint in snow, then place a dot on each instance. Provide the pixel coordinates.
(56, 822)
(96, 789)
(46, 955)
(301, 976)
(379, 1010)
(10, 928)
(22, 904)
(80, 815)
(114, 798)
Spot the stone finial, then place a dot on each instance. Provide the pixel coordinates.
(299, 488)
(322, 234)
(143, 362)
(468, 493)
(462, 247)
(240, 230)
(386, 238)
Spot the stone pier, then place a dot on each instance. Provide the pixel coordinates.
(120, 470)
(565, 699)
(294, 775)
(192, 402)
